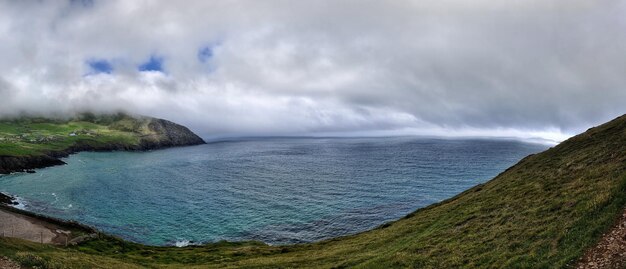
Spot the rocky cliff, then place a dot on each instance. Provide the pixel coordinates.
(168, 134)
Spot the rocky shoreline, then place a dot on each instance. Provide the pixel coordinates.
(7, 200)
(12, 164)
(8, 203)
(44, 229)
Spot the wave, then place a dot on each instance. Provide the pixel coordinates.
(21, 203)
(182, 243)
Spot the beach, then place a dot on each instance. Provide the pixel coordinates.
(28, 228)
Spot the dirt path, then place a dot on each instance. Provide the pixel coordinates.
(610, 252)
(31, 229)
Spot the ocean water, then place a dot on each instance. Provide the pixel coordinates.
(278, 190)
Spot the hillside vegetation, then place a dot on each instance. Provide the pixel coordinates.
(36, 136)
(541, 213)
(30, 142)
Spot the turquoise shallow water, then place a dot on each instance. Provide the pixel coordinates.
(280, 190)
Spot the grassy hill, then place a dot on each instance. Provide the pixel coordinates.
(36, 136)
(30, 142)
(541, 213)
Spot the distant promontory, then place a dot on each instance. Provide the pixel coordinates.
(28, 143)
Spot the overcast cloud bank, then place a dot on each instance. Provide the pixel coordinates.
(505, 68)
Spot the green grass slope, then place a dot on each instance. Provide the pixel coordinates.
(30, 142)
(37, 136)
(541, 213)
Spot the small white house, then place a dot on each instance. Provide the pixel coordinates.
(72, 134)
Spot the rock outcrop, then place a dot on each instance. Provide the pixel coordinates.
(7, 200)
(168, 134)
(9, 164)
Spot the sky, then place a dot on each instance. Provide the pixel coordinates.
(520, 68)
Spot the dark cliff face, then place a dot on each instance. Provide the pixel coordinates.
(9, 164)
(163, 134)
(168, 134)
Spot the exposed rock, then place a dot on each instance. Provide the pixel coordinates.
(168, 134)
(9, 164)
(7, 200)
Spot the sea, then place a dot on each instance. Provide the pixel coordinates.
(275, 190)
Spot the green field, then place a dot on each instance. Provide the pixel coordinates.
(36, 136)
(541, 213)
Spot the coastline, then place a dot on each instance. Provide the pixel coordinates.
(23, 224)
(564, 198)
(57, 231)
(7, 200)
(64, 231)
(146, 133)
(17, 164)
(69, 224)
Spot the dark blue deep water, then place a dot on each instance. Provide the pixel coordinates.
(279, 191)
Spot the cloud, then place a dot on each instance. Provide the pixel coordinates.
(306, 67)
